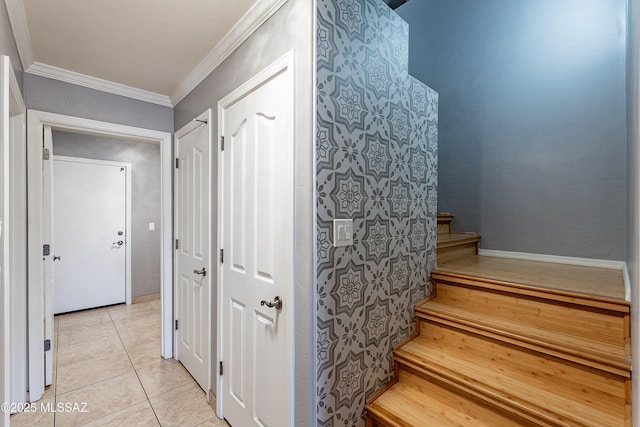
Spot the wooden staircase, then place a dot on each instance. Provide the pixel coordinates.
(454, 244)
(506, 342)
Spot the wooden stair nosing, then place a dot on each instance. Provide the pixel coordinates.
(605, 362)
(381, 414)
(493, 398)
(587, 300)
(444, 218)
(521, 395)
(459, 240)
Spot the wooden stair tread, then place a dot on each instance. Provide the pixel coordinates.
(602, 284)
(516, 381)
(412, 402)
(594, 353)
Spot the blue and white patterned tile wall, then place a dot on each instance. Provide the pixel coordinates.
(376, 158)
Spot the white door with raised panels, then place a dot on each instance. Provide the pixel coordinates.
(257, 239)
(193, 254)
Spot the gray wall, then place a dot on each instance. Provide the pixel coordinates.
(290, 28)
(145, 198)
(633, 194)
(8, 43)
(54, 96)
(532, 119)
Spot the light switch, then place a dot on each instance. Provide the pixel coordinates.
(152, 226)
(342, 232)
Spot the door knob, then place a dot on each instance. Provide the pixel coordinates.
(203, 272)
(56, 258)
(276, 303)
(119, 243)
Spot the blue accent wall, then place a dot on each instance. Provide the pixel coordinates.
(532, 119)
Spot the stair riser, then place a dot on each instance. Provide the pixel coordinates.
(450, 253)
(532, 377)
(444, 228)
(444, 223)
(605, 326)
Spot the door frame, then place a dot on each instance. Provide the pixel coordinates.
(206, 116)
(13, 310)
(128, 245)
(36, 121)
(284, 64)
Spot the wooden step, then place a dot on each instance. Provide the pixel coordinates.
(592, 325)
(575, 279)
(585, 351)
(532, 385)
(444, 223)
(453, 246)
(413, 402)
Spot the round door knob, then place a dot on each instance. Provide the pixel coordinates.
(119, 243)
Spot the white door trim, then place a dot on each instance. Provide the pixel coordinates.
(13, 311)
(36, 121)
(283, 64)
(129, 245)
(207, 117)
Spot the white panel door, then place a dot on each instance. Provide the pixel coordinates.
(193, 260)
(257, 228)
(89, 235)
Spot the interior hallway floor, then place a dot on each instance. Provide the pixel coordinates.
(110, 358)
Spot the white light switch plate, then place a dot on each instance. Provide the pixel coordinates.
(152, 226)
(342, 232)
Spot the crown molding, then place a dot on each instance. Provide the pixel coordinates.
(20, 30)
(68, 76)
(248, 24)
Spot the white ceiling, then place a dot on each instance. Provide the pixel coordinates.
(158, 46)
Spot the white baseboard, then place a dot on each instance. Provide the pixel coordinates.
(627, 283)
(587, 262)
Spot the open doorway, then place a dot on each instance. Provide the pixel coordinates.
(109, 213)
(70, 131)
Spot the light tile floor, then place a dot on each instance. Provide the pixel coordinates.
(109, 358)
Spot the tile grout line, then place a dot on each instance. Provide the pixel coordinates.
(134, 369)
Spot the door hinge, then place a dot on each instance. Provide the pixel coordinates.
(47, 345)
(222, 143)
(176, 243)
(221, 256)
(177, 161)
(46, 250)
(45, 154)
(221, 370)
(176, 324)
